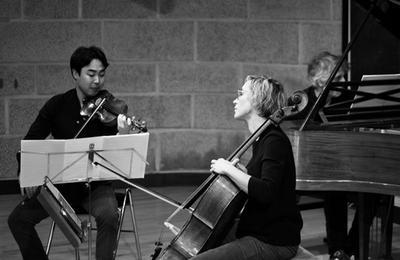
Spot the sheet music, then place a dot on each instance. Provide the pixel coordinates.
(68, 160)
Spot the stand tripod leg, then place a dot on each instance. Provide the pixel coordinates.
(128, 196)
(120, 222)
(134, 224)
(77, 256)
(89, 224)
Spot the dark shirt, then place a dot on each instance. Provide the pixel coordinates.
(60, 117)
(271, 213)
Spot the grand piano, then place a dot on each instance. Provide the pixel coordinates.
(356, 147)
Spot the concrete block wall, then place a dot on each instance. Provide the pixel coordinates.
(177, 63)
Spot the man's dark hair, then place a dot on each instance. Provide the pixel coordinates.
(83, 56)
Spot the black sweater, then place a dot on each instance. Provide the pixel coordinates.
(60, 117)
(271, 213)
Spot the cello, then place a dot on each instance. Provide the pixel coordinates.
(219, 203)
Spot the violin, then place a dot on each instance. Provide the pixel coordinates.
(106, 108)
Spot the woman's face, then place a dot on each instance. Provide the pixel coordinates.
(243, 104)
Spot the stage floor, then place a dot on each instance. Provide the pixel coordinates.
(150, 214)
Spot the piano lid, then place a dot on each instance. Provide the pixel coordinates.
(372, 102)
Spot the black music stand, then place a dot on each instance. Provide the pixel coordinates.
(64, 161)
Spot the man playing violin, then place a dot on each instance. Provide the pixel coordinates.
(269, 226)
(60, 118)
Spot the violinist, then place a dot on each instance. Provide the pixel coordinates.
(61, 118)
(270, 223)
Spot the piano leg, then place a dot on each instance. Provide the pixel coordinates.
(386, 231)
(387, 226)
(363, 236)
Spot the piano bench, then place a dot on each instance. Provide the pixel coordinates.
(304, 254)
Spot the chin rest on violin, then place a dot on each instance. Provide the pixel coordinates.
(106, 108)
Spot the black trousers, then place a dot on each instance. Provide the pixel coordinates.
(335, 209)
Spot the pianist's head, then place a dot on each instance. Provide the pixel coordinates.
(321, 67)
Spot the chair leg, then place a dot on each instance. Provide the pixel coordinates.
(50, 239)
(128, 196)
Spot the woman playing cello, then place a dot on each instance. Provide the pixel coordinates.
(269, 226)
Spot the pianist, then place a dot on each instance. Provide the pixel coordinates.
(341, 244)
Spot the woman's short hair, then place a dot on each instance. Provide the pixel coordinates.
(83, 56)
(268, 94)
(321, 66)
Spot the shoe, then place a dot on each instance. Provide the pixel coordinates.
(339, 255)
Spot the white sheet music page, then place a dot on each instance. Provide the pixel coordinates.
(66, 161)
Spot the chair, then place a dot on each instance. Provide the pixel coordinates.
(124, 199)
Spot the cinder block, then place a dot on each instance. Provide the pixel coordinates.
(215, 112)
(131, 78)
(337, 10)
(198, 77)
(51, 9)
(45, 41)
(16, 80)
(248, 42)
(53, 79)
(22, 114)
(118, 9)
(10, 9)
(290, 9)
(293, 77)
(8, 148)
(161, 111)
(183, 150)
(319, 37)
(204, 9)
(2, 116)
(149, 41)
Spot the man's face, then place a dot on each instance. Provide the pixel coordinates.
(91, 79)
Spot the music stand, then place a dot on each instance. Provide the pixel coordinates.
(75, 160)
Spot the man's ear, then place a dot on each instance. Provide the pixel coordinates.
(75, 74)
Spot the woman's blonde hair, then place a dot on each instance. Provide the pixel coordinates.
(268, 94)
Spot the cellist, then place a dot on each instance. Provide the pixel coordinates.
(270, 224)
